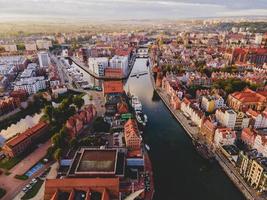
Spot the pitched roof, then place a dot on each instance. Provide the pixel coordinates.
(113, 87)
(28, 133)
(82, 182)
(131, 129)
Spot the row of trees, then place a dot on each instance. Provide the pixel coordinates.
(66, 109)
(233, 85)
(57, 117)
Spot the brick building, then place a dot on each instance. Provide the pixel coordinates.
(20, 143)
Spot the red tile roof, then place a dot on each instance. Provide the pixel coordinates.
(82, 182)
(113, 87)
(28, 133)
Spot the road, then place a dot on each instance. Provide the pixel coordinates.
(12, 185)
(40, 195)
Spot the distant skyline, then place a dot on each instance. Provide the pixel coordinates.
(129, 9)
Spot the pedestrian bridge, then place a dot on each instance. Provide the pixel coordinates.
(140, 73)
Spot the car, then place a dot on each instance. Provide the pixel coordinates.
(34, 180)
(28, 186)
(25, 189)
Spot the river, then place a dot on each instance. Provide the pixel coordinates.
(179, 172)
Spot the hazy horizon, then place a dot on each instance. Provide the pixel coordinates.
(128, 9)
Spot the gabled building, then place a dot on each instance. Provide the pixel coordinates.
(258, 119)
(192, 111)
(260, 143)
(248, 136)
(82, 188)
(247, 99)
(224, 136)
(20, 143)
(76, 123)
(226, 117)
(242, 121)
(132, 135)
(208, 128)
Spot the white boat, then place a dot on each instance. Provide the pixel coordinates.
(147, 147)
(141, 117)
(136, 104)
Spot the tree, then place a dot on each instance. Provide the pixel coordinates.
(71, 111)
(50, 152)
(48, 112)
(56, 140)
(99, 125)
(58, 154)
(21, 47)
(78, 101)
(65, 103)
(73, 142)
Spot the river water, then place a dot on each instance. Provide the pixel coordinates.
(179, 172)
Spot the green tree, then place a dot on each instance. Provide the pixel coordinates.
(21, 47)
(73, 142)
(50, 152)
(48, 112)
(78, 101)
(56, 140)
(58, 154)
(99, 125)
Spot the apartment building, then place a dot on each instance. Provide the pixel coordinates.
(226, 117)
(98, 65)
(31, 85)
(120, 62)
(224, 136)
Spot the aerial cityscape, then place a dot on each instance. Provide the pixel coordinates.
(133, 100)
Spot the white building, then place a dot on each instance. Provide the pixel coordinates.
(6, 70)
(260, 143)
(30, 46)
(258, 38)
(210, 103)
(219, 102)
(43, 44)
(27, 73)
(98, 65)
(44, 59)
(259, 120)
(20, 62)
(121, 62)
(10, 47)
(224, 136)
(31, 85)
(226, 117)
(192, 111)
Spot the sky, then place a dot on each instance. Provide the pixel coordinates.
(129, 9)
